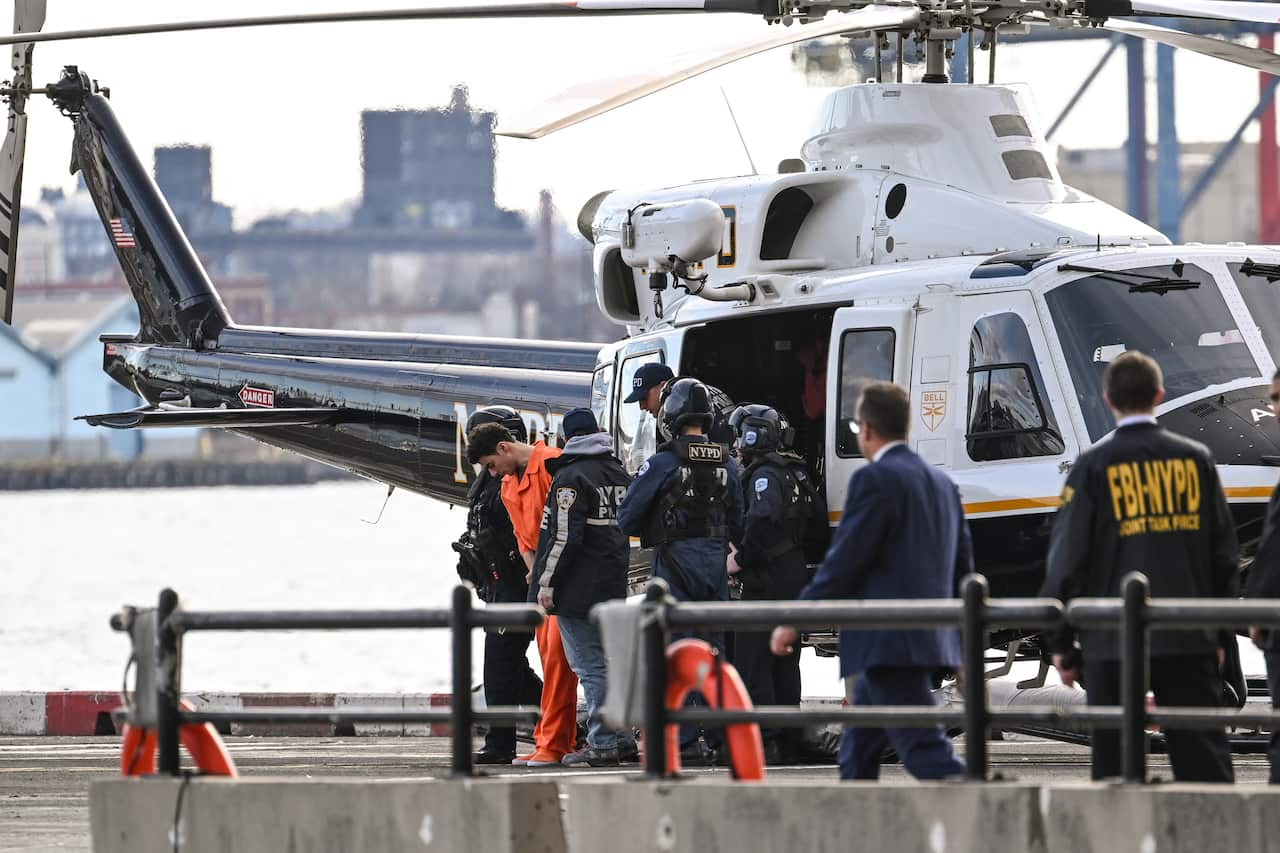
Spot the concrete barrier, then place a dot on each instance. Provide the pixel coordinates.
(714, 816)
(612, 814)
(301, 816)
(1160, 819)
(705, 816)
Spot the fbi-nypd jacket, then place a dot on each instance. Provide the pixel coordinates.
(582, 555)
(1264, 574)
(1144, 500)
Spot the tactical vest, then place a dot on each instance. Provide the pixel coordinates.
(490, 530)
(805, 512)
(692, 502)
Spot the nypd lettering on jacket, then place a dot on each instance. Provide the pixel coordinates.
(582, 555)
(706, 452)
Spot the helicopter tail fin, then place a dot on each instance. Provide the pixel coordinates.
(28, 17)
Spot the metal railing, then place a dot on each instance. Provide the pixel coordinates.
(975, 615)
(157, 647)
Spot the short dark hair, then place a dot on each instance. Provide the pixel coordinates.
(886, 408)
(1132, 382)
(1276, 375)
(484, 439)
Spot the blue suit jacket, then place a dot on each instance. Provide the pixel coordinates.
(903, 535)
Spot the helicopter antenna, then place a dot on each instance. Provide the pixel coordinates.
(385, 501)
(741, 138)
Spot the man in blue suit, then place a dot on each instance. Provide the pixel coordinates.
(902, 535)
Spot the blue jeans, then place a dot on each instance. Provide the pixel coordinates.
(585, 651)
(926, 753)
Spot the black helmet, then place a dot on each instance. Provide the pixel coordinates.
(504, 415)
(684, 402)
(761, 429)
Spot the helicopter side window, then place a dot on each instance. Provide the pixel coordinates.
(1008, 418)
(601, 384)
(637, 433)
(866, 356)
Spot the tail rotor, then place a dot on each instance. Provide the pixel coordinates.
(28, 17)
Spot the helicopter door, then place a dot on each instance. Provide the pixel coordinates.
(867, 345)
(988, 400)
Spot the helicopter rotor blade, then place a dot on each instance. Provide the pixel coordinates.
(1239, 54)
(462, 11)
(28, 18)
(1219, 10)
(600, 96)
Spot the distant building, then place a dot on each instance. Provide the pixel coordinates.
(40, 251)
(1227, 211)
(184, 174)
(86, 251)
(430, 169)
(27, 388)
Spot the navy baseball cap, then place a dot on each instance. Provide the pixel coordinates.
(646, 377)
(578, 422)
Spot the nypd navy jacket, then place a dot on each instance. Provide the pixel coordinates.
(582, 555)
(1145, 500)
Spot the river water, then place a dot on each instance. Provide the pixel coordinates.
(68, 559)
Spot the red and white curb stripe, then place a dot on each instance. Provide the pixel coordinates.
(81, 712)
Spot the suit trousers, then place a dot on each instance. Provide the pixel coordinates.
(1176, 680)
(556, 733)
(926, 753)
(770, 680)
(508, 680)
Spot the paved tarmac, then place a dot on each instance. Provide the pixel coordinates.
(44, 782)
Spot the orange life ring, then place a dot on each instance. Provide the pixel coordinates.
(694, 664)
(138, 749)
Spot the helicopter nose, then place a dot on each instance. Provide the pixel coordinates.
(1239, 427)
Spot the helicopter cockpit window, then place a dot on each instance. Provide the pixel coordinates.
(866, 356)
(601, 383)
(637, 433)
(1191, 333)
(1009, 417)
(1262, 295)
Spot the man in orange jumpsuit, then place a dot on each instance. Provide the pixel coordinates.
(525, 483)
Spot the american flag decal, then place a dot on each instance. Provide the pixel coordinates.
(121, 235)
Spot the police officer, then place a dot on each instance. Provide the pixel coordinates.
(489, 558)
(686, 505)
(1264, 582)
(647, 387)
(783, 510)
(1146, 500)
(582, 561)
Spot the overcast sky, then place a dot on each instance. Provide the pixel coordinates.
(281, 106)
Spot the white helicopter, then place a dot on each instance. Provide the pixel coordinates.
(924, 235)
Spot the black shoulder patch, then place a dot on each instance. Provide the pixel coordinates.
(706, 452)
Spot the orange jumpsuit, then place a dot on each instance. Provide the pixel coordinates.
(524, 497)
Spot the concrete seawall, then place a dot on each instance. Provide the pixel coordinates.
(620, 815)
